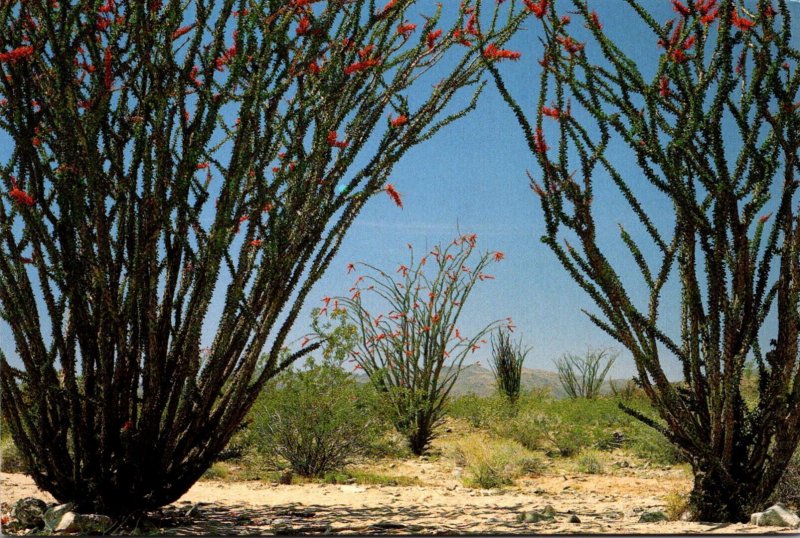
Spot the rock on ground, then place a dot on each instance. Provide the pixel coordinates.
(775, 516)
(30, 512)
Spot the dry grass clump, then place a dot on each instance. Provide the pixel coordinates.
(676, 503)
(493, 463)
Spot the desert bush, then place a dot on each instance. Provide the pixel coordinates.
(494, 463)
(731, 245)
(413, 351)
(317, 419)
(590, 463)
(177, 167)
(217, 471)
(582, 376)
(506, 364)
(11, 460)
(478, 411)
(788, 489)
(676, 504)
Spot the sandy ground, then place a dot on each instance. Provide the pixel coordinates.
(609, 503)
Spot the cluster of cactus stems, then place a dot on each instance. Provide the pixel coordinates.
(506, 364)
(414, 351)
(715, 130)
(160, 164)
(582, 377)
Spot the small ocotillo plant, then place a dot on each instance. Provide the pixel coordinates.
(159, 157)
(413, 350)
(582, 376)
(506, 364)
(714, 127)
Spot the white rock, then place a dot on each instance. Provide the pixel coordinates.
(775, 516)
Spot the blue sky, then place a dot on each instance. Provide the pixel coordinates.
(472, 176)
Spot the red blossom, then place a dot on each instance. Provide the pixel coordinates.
(539, 145)
(361, 66)
(554, 113)
(537, 8)
(680, 8)
(20, 196)
(108, 76)
(405, 29)
(334, 143)
(182, 31)
(256, 242)
(303, 26)
(399, 121)
(595, 20)
(498, 256)
(17, 54)
(764, 218)
(432, 37)
(394, 195)
(740, 22)
(663, 87)
(127, 426)
(569, 45)
(494, 53)
(389, 5)
(458, 37)
(350, 268)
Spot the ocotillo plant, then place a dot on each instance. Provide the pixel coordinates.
(413, 351)
(161, 157)
(582, 376)
(506, 364)
(714, 127)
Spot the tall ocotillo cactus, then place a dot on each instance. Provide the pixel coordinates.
(715, 129)
(506, 364)
(412, 350)
(160, 165)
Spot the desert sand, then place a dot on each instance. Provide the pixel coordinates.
(608, 503)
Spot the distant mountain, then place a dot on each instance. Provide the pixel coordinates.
(480, 381)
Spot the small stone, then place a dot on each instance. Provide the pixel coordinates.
(775, 516)
(574, 519)
(286, 477)
(549, 510)
(29, 512)
(83, 523)
(54, 514)
(533, 517)
(652, 516)
(448, 430)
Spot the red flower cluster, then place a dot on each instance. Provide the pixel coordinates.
(334, 143)
(400, 120)
(595, 20)
(405, 29)
(664, 90)
(394, 195)
(555, 113)
(303, 26)
(537, 8)
(17, 54)
(740, 22)
(20, 196)
(539, 145)
(361, 66)
(569, 45)
(494, 53)
(432, 37)
(182, 31)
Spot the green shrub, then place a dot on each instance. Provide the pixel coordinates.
(10, 458)
(590, 463)
(218, 471)
(318, 419)
(478, 411)
(494, 463)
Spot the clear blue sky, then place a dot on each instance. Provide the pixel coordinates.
(472, 175)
